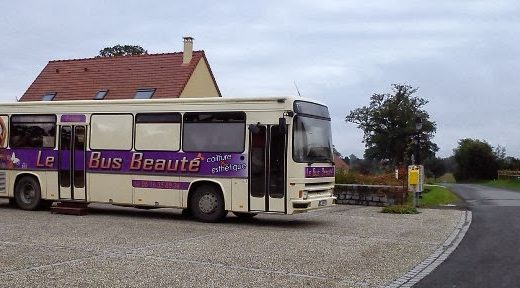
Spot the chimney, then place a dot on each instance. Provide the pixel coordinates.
(188, 50)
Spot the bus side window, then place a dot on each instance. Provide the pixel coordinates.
(33, 131)
(214, 132)
(111, 131)
(158, 131)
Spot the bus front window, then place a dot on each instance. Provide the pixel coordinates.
(312, 140)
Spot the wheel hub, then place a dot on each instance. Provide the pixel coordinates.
(208, 203)
(28, 194)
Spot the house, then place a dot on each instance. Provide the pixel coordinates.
(340, 163)
(168, 75)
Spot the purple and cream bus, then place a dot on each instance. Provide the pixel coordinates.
(206, 155)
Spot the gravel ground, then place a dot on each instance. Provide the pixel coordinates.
(346, 246)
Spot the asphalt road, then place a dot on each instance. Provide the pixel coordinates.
(489, 255)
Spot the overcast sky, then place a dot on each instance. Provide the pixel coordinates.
(462, 55)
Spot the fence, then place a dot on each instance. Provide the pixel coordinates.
(508, 174)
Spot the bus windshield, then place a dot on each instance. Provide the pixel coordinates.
(312, 141)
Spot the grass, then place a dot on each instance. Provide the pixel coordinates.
(506, 184)
(436, 196)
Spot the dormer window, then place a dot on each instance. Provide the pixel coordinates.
(100, 95)
(146, 93)
(49, 96)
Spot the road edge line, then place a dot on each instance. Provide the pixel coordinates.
(438, 256)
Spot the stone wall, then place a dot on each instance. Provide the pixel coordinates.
(370, 195)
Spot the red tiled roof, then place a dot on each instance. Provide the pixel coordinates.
(340, 163)
(80, 79)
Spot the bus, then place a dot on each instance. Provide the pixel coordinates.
(207, 156)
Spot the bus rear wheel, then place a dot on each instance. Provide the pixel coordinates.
(207, 204)
(28, 193)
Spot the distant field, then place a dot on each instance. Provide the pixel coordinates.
(446, 178)
(506, 184)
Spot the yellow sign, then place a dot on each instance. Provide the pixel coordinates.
(413, 176)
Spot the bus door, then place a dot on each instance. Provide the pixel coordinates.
(71, 173)
(267, 169)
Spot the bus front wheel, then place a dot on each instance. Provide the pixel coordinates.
(27, 193)
(207, 204)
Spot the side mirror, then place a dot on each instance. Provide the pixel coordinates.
(282, 125)
(254, 128)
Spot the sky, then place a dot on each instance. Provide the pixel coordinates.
(463, 56)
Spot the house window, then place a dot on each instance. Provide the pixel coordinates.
(100, 95)
(144, 93)
(48, 96)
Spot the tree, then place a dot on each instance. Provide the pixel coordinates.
(122, 50)
(500, 156)
(510, 163)
(434, 167)
(364, 166)
(500, 152)
(505, 162)
(388, 124)
(450, 164)
(475, 159)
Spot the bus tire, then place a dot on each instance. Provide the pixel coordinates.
(186, 212)
(12, 203)
(28, 193)
(244, 215)
(207, 204)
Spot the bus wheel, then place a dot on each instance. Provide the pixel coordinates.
(186, 212)
(12, 203)
(27, 193)
(244, 215)
(207, 204)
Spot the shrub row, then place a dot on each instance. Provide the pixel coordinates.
(350, 177)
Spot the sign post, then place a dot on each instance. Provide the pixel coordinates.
(415, 181)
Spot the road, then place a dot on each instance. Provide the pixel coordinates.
(489, 255)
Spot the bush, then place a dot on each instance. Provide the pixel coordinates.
(345, 177)
(400, 209)
(350, 177)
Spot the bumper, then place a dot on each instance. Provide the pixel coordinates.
(299, 205)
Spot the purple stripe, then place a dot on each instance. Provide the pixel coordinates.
(169, 163)
(160, 184)
(74, 118)
(28, 159)
(128, 162)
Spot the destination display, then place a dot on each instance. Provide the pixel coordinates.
(314, 172)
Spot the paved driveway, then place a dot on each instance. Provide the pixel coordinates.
(346, 246)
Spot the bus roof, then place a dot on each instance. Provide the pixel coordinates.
(145, 102)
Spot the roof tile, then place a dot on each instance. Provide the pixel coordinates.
(80, 79)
